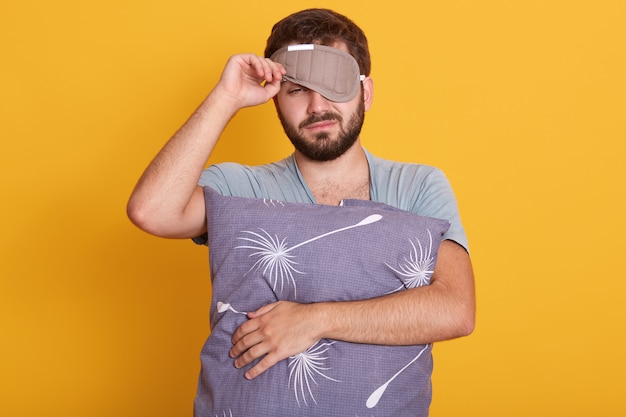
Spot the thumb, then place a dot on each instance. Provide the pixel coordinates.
(272, 88)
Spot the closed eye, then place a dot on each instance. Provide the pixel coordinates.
(293, 88)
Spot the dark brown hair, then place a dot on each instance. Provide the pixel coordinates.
(321, 26)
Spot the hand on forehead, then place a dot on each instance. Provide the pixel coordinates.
(330, 71)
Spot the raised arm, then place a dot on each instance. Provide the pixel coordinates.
(166, 200)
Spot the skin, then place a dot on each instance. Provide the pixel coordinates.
(167, 202)
(322, 146)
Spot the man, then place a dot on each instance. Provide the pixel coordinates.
(323, 121)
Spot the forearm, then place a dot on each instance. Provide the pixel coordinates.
(415, 316)
(443, 310)
(160, 202)
(167, 201)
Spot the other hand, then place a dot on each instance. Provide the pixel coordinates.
(274, 332)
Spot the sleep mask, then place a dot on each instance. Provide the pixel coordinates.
(329, 71)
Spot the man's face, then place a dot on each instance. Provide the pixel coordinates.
(320, 129)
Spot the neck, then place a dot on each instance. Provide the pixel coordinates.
(342, 178)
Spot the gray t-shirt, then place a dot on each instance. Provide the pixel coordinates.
(420, 189)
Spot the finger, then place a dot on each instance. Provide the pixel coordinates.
(262, 310)
(262, 69)
(244, 330)
(272, 88)
(271, 70)
(277, 69)
(264, 364)
(266, 69)
(255, 352)
(245, 344)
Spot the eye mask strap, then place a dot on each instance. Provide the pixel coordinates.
(329, 71)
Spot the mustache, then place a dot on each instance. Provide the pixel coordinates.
(320, 118)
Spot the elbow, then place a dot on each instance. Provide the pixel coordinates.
(466, 326)
(161, 221)
(465, 321)
(135, 214)
(140, 216)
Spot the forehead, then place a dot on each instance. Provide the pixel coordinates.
(331, 71)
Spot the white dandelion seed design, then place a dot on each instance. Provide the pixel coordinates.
(273, 253)
(269, 202)
(418, 268)
(224, 307)
(273, 258)
(303, 369)
(230, 414)
(375, 397)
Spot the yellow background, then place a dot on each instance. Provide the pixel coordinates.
(521, 103)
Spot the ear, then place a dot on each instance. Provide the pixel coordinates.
(368, 92)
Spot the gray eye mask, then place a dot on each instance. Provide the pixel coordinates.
(329, 71)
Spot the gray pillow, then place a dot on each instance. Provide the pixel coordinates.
(262, 251)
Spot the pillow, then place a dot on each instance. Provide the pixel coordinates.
(262, 251)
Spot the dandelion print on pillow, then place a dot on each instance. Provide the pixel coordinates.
(262, 251)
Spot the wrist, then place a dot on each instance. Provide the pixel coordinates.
(219, 100)
(322, 317)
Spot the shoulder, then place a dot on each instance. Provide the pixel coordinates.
(404, 180)
(396, 168)
(278, 180)
(227, 177)
(418, 188)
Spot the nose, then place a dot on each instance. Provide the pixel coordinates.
(317, 103)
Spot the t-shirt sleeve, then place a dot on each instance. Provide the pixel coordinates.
(215, 176)
(436, 199)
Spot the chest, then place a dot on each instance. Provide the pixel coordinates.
(332, 194)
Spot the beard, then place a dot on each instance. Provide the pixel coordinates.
(323, 147)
